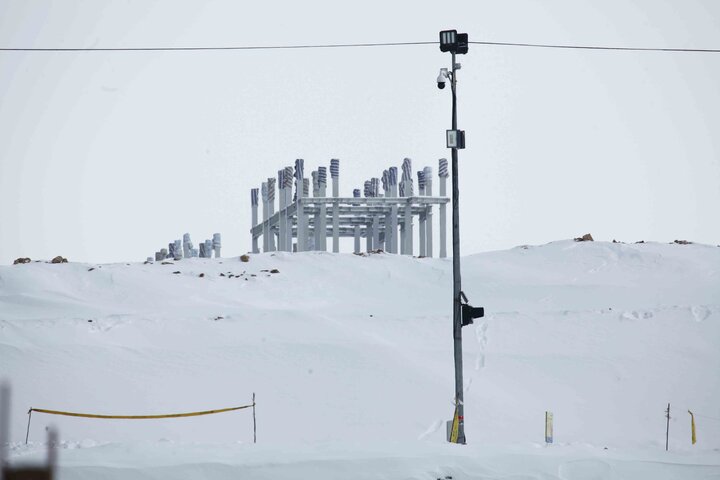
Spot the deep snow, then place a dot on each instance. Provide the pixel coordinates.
(351, 360)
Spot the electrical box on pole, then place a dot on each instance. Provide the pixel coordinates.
(469, 313)
(455, 139)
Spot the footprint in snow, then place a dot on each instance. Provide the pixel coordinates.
(431, 429)
(635, 315)
(700, 312)
(481, 336)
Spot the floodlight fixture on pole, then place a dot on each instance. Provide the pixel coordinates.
(451, 41)
(463, 313)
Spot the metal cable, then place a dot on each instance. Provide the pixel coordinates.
(177, 49)
(598, 47)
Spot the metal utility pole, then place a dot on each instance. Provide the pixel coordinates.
(457, 325)
(463, 313)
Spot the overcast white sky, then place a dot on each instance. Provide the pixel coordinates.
(109, 156)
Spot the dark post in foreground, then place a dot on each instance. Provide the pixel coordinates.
(463, 313)
(667, 429)
(254, 422)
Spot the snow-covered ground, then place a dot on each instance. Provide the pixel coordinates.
(351, 361)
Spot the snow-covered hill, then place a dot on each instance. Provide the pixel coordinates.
(351, 360)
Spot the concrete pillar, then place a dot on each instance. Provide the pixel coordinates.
(308, 236)
(282, 217)
(187, 244)
(403, 234)
(392, 227)
(302, 221)
(367, 193)
(407, 217)
(322, 187)
(335, 174)
(376, 232)
(265, 210)
(217, 244)
(374, 193)
(316, 216)
(369, 237)
(357, 239)
(428, 214)
(385, 237)
(421, 224)
(443, 175)
(271, 212)
(254, 220)
(289, 219)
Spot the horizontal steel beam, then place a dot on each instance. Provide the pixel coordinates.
(347, 212)
(374, 200)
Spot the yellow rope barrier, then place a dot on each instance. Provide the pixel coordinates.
(137, 417)
(141, 417)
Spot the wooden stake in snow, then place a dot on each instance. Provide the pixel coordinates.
(548, 427)
(667, 429)
(254, 421)
(692, 427)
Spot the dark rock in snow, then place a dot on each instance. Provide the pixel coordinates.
(245, 258)
(59, 259)
(585, 238)
(21, 260)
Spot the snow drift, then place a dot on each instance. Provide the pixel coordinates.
(351, 360)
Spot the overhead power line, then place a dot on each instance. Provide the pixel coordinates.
(256, 47)
(353, 45)
(598, 47)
